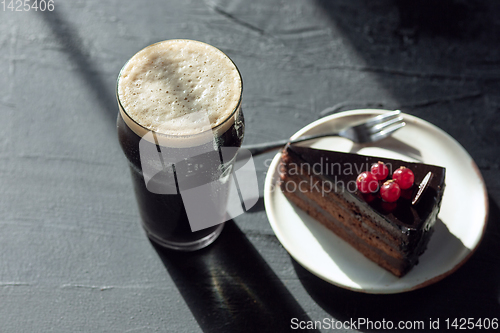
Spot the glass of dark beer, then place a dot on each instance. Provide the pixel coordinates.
(179, 105)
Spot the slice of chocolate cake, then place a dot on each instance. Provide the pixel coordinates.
(392, 234)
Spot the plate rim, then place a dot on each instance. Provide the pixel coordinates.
(270, 176)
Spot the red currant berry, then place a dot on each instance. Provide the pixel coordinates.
(380, 170)
(404, 177)
(390, 191)
(367, 182)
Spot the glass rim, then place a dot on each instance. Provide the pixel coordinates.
(212, 129)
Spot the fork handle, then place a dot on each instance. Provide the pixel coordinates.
(261, 148)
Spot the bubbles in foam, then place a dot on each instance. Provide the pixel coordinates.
(176, 79)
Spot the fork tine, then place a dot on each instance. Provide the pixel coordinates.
(386, 131)
(380, 118)
(379, 127)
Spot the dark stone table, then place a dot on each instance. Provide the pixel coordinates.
(73, 257)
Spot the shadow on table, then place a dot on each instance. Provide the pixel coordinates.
(415, 49)
(456, 296)
(230, 288)
(70, 42)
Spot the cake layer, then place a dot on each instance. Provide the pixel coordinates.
(342, 212)
(397, 267)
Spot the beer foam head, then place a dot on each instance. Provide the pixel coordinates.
(168, 85)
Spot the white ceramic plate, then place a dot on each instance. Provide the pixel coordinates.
(462, 217)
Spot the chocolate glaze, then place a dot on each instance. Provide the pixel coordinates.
(408, 222)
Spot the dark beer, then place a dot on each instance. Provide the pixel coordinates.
(164, 216)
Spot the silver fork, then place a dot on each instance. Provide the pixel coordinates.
(371, 130)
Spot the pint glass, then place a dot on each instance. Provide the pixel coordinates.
(178, 177)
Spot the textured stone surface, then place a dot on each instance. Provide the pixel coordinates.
(72, 254)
